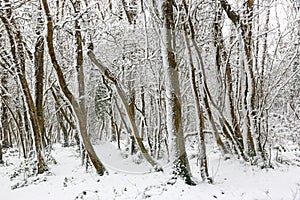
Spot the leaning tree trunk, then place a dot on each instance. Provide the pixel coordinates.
(63, 85)
(173, 102)
(245, 25)
(109, 76)
(199, 115)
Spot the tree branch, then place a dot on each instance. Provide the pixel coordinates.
(232, 15)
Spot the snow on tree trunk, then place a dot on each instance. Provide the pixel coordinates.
(39, 77)
(109, 76)
(80, 114)
(173, 103)
(1, 154)
(4, 113)
(18, 55)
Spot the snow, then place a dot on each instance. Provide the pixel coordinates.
(127, 179)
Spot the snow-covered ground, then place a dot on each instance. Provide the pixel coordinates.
(68, 180)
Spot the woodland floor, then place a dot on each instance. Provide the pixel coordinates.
(128, 179)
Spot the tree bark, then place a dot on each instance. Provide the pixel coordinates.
(199, 115)
(173, 102)
(39, 86)
(63, 85)
(18, 55)
(4, 113)
(244, 24)
(1, 153)
(223, 57)
(109, 76)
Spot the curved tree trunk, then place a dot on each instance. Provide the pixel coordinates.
(108, 75)
(80, 114)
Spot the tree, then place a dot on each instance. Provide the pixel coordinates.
(18, 56)
(109, 76)
(4, 111)
(39, 77)
(173, 97)
(79, 107)
(1, 154)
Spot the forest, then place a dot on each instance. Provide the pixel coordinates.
(172, 87)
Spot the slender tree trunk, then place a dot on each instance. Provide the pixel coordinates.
(80, 114)
(1, 153)
(109, 76)
(200, 121)
(4, 113)
(262, 135)
(245, 25)
(199, 111)
(143, 112)
(173, 102)
(18, 55)
(132, 111)
(250, 88)
(39, 86)
(63, 127)
(223, 58)
(18, 122)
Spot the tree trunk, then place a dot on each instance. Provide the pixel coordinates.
(109, 76)
(80, 114)
(4, 113)
(18, 55)
(245, 25)
(1, 153)
(173, 102)
(250, 87)
(39, 86)
(199, 111)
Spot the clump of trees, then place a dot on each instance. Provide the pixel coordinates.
(77, 72)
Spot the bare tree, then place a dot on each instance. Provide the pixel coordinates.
(108, 75)
(77, 106)
(173, 96)
(39, 77)
(18, 55)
